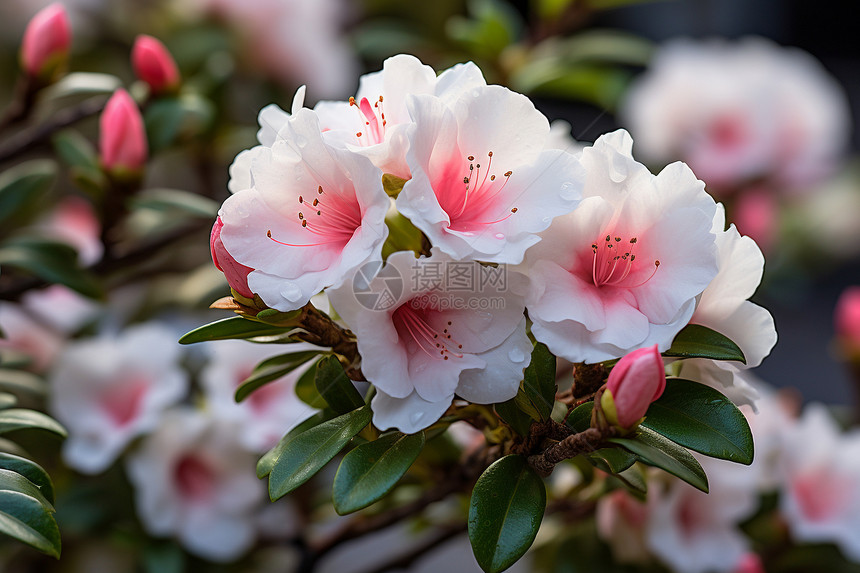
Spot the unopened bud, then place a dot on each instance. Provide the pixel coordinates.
(235, 272)
(154, 65)
(45, 48)
(122, 139)
(638, 379)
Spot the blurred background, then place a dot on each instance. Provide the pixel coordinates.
(760, 97)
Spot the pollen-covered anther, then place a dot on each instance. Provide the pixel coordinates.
(611, 267)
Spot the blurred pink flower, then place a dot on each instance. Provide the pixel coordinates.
(122, 139)
(757, 216)
(154, 65)
(634, 382)
(26, 334)
(739, 112)
(621, 521)
(74, 221)
(46, 40)
(847, 319)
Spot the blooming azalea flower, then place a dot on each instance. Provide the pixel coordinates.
(193, 481)
(310, 215)
(623, 270)
(60, 307)
(33, 338)
(485, 178)
(621, 521)
(739, 111)
(270, 411)
(109, 390)
(74, 221)
(422, 341)
(820, 500)
(724, 307)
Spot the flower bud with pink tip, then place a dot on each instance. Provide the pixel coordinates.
(847, 318)
(236, 273)
(638, 379)
(154, 65)
(45, 47)
(122, 139)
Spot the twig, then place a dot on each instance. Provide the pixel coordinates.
(432, 542)
(570, 447)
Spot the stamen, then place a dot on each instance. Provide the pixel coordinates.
(611, 268)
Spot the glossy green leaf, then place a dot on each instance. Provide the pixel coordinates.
(505, 512)
(177, 200)
(171, 119)
(24, 518)
(22, 419)
(7, 400)
(367, 473)
(22, 381)
(580, 418)
(78, 83)
(611, 460)
(14, 481)
(23, 185)
(701, 419)
(335, 386)
(30, 470)
(697, 341)
(272, 369)
(655, 450)
(634, 479)
(230, 328)
(75, 150)
(539, 381)
(309, 451)
(51, 261)
(307, 391)
(514, 417)
(268, 460)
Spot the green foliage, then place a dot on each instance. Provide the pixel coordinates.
(176, 200)
(21, 189)
(493, 26)
(267, 462)
(697, 341)
(306, 454)
(231, 328)
(505, 512)
(653, 449)
(272, 369)
(51, 261)
(538, 387)
(22, 419)
(701, 419)
(335, 387)
(370, 471)
(31, 471)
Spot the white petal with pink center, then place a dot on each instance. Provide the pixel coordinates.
(485, 181)
(820, 495)
(724, 307)
(109, 390)
(432, 341)
(623, 270)
(312, 214)
(270, 411)
(193, 481)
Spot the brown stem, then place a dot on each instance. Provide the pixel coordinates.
(22, 103)
(570, 447)
(430, 543)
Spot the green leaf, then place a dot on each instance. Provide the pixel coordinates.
(580, 418)
(272, 369)
(539, 381)
(655, 450)
(76, 150)
(170, 119)
(24, 518)
(7, 400)
(267, 462)
(633, 479)
(51, 261)
(703, 420)
(309, 451)
(505, 512)
(611, 460)
(368, 472)
(335, 386)
(176, 200)
(513, 416)
(23, 186)
(30, 470)
(14, 481)
(230, 328)
(307, 391)
(78, 83)
(697, 341)
(22, 381)
(19, 419)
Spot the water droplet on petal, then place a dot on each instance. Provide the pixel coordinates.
(546, 219)
(516, 355)
(500, 236)
(291, 291)
(568, 191)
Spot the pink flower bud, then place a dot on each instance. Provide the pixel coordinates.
(638, 379)
(847, 318)
(46, 41)
(749, 563)
(122, 139)
(757, 216)
(154, 65)
(236, 273)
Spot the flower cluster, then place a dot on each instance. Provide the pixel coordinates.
(602, 256)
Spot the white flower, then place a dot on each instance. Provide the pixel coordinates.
(60, 307)
(724, 307)
(695, 532)
(739, 111)
(422, 340)
(193, 481)
(270, 411)
(311, 214)
(485, 176)
(623, 270)
(40, 344)
(820, 497)
(111, 389)
(621, 521)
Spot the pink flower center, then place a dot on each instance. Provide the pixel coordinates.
(414, 327)
(821, 493)
(472, 200)
(373, 119)
(330, 218)
(613, 261)
(194, 478)
(122, 403)
(728, 132)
